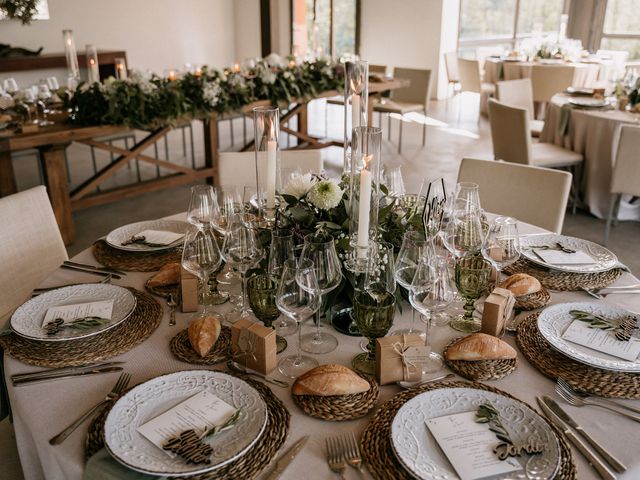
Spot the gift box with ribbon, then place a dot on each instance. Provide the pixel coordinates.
(189, 291)
(254, 346)
(496, 311)
(399, 358)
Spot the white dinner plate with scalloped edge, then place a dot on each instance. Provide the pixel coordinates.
(152, 398)
(418, 451)
(603, 258)
(117, 237)
(27, 320)
(554, 320)
(583, 102)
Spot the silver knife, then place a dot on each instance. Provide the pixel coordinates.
(88, 270)
(95, 371)
(93, 267)
(286, 458)
(55, 371)
(591, 457)
(564, 416)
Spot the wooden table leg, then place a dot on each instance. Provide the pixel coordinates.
(7, 176)
(210, 126)
(303, 119)
(55, 175)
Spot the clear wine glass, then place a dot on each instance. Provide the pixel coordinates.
(298, 297)
(228, 202)
(394, 181)
(501, 244)
(202, 206)
(11, 86)
(44, 94)
(281, 250)
(201, 257)
(321, 250)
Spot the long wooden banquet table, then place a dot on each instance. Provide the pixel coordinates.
(44, 409)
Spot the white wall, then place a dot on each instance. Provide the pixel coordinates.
(248, 43)
(156, 34)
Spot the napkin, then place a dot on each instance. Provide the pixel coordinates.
(103, 467)
(557, 257)
(5, 407)
(565, 117)
(160, 237)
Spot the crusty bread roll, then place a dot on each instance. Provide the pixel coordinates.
(328, 380)
(169, 274)
(521, 284)
(480, 346)
(203, 334)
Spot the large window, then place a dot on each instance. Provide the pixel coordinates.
(621, 30)
(324, 27)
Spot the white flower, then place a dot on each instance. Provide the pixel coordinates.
(325, 195)
(299, 185)
(274, 60)
(248, 63)
(267, 76)
(211, 92)
(237, 80)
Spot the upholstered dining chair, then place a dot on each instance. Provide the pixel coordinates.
(625, 178)
(547, 80)
(512, 143)
(471, 81)
(530, 194)
(414, 98)
(518, 93)
(236, 168)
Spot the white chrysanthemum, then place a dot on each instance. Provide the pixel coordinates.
(299, 185)
(248, 63)
(274, 60)
(211, 93)
(267, 76)
(325, 195)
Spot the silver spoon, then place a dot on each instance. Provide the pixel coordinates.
(420, 383)
(236, 367)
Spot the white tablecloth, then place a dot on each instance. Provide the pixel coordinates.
(495, 70)
(42, 410)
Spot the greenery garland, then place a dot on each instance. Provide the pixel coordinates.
(153, 102)
(23, 10)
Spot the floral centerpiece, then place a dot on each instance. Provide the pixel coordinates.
(628, 95)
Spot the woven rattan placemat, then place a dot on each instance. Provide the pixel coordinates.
(119, 339)
(533, 301)
(480, 369)
(376, 441)
(339, 407)
(246, 467)
(563, 280)
(553, 364)
(133, 261)
(182, 349)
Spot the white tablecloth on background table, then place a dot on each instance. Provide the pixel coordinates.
(495, 70)
(42, 410)
(591, 133)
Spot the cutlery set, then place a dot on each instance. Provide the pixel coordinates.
(65, 372)
(343, 451)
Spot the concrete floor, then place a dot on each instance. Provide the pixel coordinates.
(453, 132)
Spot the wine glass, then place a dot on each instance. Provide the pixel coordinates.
(228, 202)
(281, 250)
(461, 230)
(431, 293)
(201, 257)
(202, 206)
(321, 250)
(501, 246)
(29, 100)
(44, 94)
(11, 86)
(298, 297)
(394, 181)
(261, 290)
(242, 248)
(472, 276)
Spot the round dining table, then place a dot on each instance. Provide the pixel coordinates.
(498, 69)
(43, 409)
(592, 133)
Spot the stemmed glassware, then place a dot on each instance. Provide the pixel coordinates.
(228, 202)
(281, 250)
(394, 182)
(261, 290)
(29, 100)
(44, 94)
(501, 246)
(321, 250)
(202, 206)
(298, 297)
(473, 274)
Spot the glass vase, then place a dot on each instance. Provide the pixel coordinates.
(93, 71)
(356, 96)
(73, 69)
(266, 121)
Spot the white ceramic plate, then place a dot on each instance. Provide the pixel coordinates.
(554, 320)
(158, 395)
(603, 259)
(27, 319)
(120, 235)
(416, 448)
(589, 102)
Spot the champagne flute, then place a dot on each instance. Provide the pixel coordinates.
(201, 257)
(501, 246)
(281, 250)
(202, 206)
(298, 297)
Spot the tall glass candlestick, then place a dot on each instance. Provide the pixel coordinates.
(266, 121)
(356, 93)
(73, 70)
(93, 72)
(121, 68)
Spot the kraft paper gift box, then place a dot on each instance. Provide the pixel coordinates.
(189, 291)
(254, 346)
(397, 358)
(497, 309)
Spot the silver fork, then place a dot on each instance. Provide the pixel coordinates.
(576, 401)
(335, 456)
(118, 388)
(352, 453)
(562, 383)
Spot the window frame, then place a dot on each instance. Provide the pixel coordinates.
(601, 34)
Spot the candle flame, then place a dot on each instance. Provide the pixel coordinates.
(92, 61)
(366, 159)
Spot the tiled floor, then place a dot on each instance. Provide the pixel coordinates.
(453, 133)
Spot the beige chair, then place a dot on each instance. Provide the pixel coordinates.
(531, 194)
(512, 142)
(618, 60)
(414, 98)
(239, 168)
(32, 246)
(626, 172)
(518, 93)
(451, 65)
(470, 81)
(547, 80)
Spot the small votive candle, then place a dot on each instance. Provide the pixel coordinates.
(172, 75)
(121, 68)
(236, 67)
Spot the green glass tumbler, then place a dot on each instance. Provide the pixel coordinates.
(261, 290)
(472, 276)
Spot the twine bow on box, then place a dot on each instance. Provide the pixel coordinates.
(246, 347)
(408, 367)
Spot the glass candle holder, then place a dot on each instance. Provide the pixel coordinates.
(73, 69)
(356, 95)
(121, 68)
(266, 121)
(93, 72)
(364, 193)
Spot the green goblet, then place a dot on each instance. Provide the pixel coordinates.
(373, 311)
(472, 277)
(261, 290)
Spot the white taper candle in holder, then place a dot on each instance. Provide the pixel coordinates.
(93, 70)
(356, 93)
(266, 121)
(73, 69)
(121, 68)
(363, 209)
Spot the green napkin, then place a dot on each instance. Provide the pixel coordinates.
(103, 467)
(565, 117)
(500, 71)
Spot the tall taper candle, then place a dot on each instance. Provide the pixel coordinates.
(355, 110)
(272, 152)
(363, 208)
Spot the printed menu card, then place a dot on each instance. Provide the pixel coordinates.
(68, 313)
(160, 237)
(601, 340)
(558, 257)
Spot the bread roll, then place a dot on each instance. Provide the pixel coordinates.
(328, 380)
(480, 346)
(521, 284)
(203, 333)
(169, 274)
